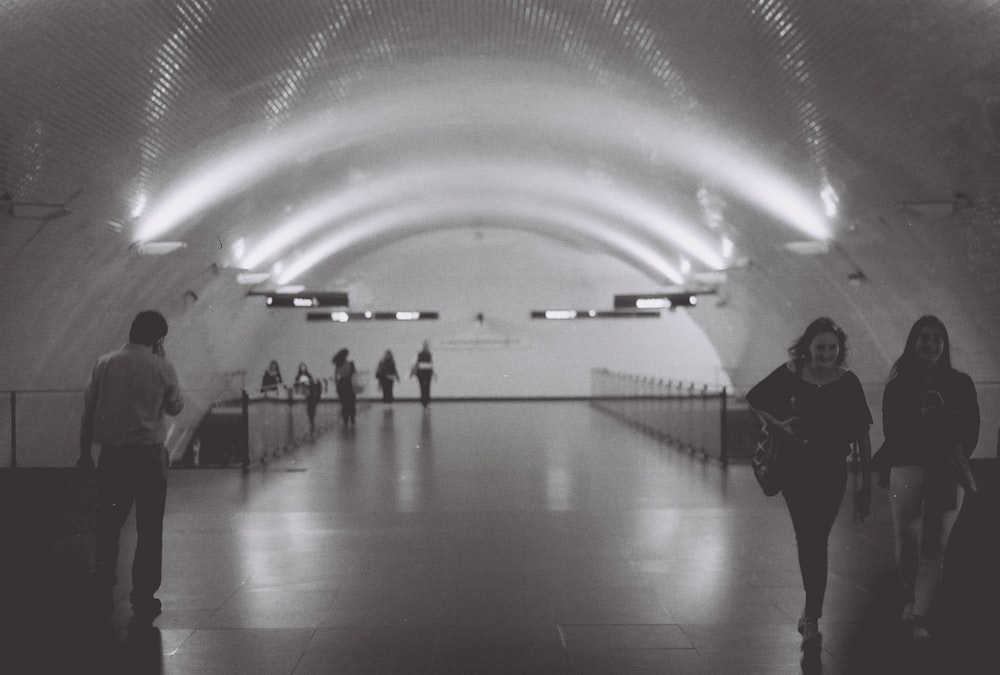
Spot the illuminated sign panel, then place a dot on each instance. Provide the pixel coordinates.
(306, 299)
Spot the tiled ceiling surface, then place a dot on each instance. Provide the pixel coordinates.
(578, 115)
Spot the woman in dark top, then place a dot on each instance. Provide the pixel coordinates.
(386, 374)
(424, 370)
(271, 382)
(928, 408)
(343, 378)
(816, 409)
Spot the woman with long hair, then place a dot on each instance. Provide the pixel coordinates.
(271, 382)
(817, 410)
(929, 410)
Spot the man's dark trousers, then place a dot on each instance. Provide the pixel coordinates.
(127, 474)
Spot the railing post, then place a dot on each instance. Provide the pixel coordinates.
(13, 429)
(245, 440)
(723, 441)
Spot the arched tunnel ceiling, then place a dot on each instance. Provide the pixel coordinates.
(678, 137)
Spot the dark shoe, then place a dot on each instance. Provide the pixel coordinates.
(809, 630)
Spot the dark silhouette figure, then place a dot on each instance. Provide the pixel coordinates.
(129, 393)
(817, 409)
(423, 369)
(930, 416)
(344, 375)
(307, 386)
(387, 376)
(271, 383)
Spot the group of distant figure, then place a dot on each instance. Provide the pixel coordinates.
(347, 383)
(817, 411)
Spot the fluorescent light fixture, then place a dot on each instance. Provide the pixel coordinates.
(830, 200)
(570, 314)
(669, 300)
(158, 247)
(252, 278)
(808, 247)
(369, 315)
(307, 299)
(290, 289)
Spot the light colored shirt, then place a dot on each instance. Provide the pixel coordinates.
(129, 393)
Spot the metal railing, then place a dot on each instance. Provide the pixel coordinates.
(692, 417)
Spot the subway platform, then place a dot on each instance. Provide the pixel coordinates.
(541, 537)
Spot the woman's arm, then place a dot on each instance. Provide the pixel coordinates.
(863, 497)
(771, 420)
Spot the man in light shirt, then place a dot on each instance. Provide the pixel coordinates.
(129, 394)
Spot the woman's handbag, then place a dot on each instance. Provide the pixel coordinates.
(961, 470)
(356, 382)
(766, 462)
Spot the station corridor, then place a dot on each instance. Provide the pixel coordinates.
(514, 537)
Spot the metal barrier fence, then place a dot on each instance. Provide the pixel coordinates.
(694, 418)
(39, 428)
(710, 422)
(275, 426)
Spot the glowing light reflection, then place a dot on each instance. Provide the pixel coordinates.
(618, 207)
(562, 113)
(438, 214)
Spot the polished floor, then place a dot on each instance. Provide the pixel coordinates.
(478, 538)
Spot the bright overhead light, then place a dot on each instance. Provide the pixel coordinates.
(808, 247)
(252, 278)
(651, 303)
(830, 200)
(158, 247)
(560, 314)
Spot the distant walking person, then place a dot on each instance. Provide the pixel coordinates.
(387, 375)
(343, 378)
(424, 370)
(308, 386)
(129, 393)
(270, 383)
(817, 409)
(929, 412)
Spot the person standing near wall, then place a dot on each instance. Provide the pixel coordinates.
(929, 411)
(424, 370)
(125, 403)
